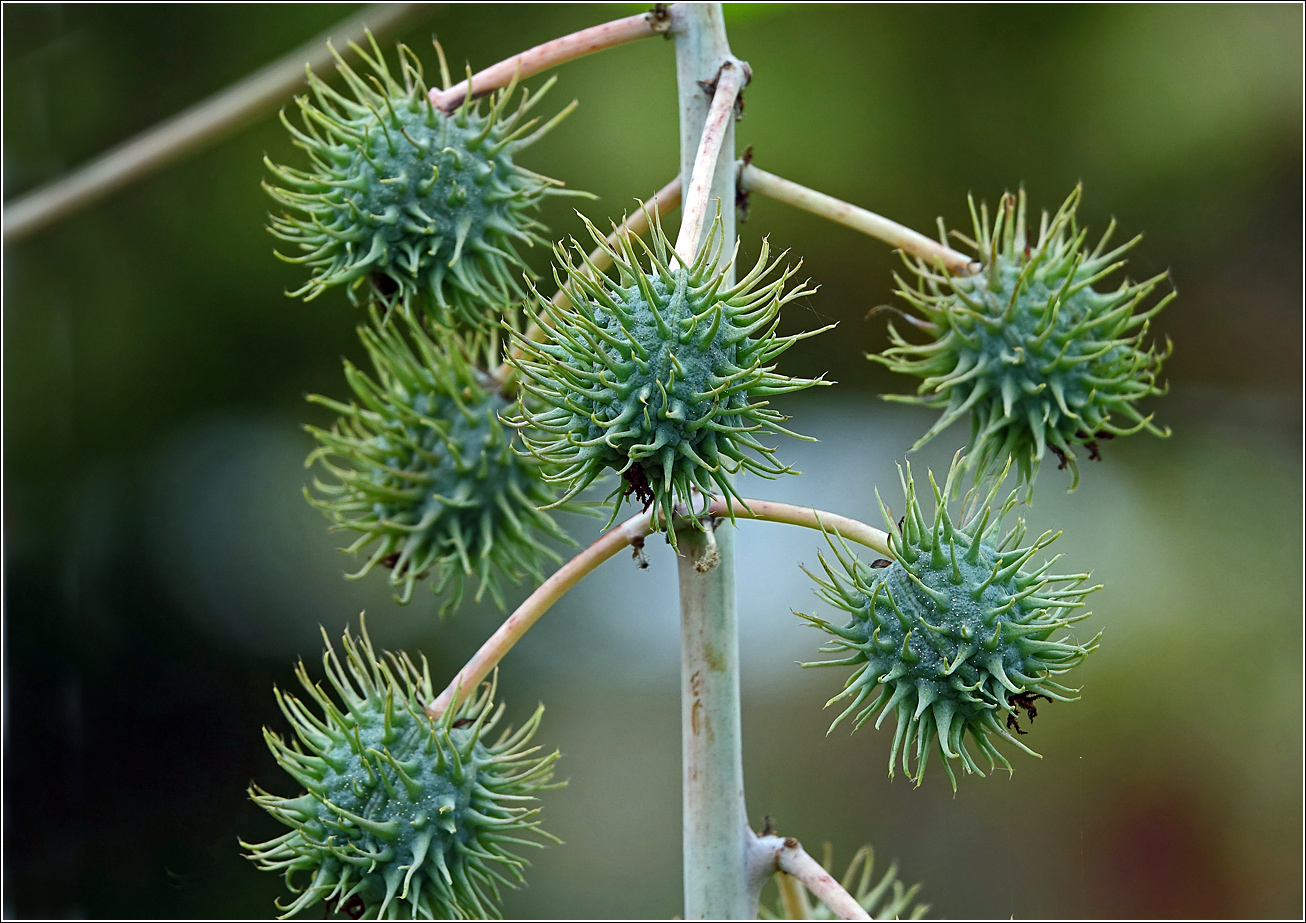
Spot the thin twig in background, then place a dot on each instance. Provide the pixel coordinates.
(204, 123)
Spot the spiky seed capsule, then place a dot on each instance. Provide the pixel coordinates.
(409, 816)
(955, 632)
(661, 375)
(886, 899)
(424, 469)
(404, 202)
(1027, 347)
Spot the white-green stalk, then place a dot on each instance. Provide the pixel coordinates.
(716, 833)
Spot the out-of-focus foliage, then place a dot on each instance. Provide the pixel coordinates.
(162, 570)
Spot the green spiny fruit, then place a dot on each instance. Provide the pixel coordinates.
(661, 375)
(955, 632)
(406, 202)
(405, 816)
(886, 899)
(425, 471)
(1026, 346)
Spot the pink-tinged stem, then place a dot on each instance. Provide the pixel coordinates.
(791, 858)
(751, 179)
(631, 532)
(832, 523)
(538, 603)
(551, 54)
(730, 81)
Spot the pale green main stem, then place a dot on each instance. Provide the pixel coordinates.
(716, 834)
(715, 820)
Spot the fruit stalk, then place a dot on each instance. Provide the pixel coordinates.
(751, 179)
(551, 54)
(787, 855)
(719, 119)
(528, 613)
(632, 533)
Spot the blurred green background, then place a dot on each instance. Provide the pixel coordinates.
(162, 571)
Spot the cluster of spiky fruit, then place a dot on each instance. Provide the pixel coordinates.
(1027, 347)
(955, 632)
(406, 203)
(404, 816)
(426, 472)
(661, 374)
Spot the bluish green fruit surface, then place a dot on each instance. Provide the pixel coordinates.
(956, 633)
(661, 375)
(404, 202)
(1028, 348)
(426, 473)
(404, 816)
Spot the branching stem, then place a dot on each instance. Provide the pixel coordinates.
(731, 79)
(934, 253)
(551, 54)
(633, 532)
(786, 855)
